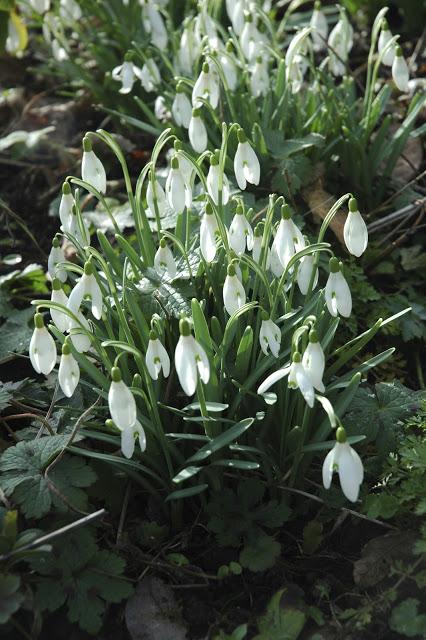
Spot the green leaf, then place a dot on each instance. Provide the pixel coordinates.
(406, 620)
(15, 335)
(282, 620)
(10, 596)
(166, 298)
(260, 553)
(187, 493)
(221, 441)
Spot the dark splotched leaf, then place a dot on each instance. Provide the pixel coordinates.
(165, 297)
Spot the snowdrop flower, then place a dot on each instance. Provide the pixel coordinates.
(41, 6)
(153, 24)
(189, 50)
(204, 24)
(60, 318)
(345, 460)
(240, 232)
(175, 187)
(92, 169)
(149, 75)
(56, 256)
(69, 371)
(236, 15)
(400, 72)
(384, 37)
(155, 197)
(17, 36)
(164, 262)
(126, 73)
(65, 207)
(42, 349)
(226, 61)
(259, 81)
(340, 42)
(250, 38)
(81, 341)
(313, 361)
(208, 231)
(187, 169)
(246, 163)
(191, 360)
(304, 274)
(234, 296)
(122, 405)
(257, 247)
(355, 231)
(299, 378)
(181, 107)
(70, 10)
(269, 336)
(273, 378)
(295, 60)
(289, 239)
(156, 358)
(86, 286)
(319, 28)
(213, 178)
(275, 265)
(161, 111)
(206, 87)
(128, 438)
(197, 132)
(58, 51)
(337, 293)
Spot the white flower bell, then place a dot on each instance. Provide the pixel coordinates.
(400, 73)
(70, 10)
(251, 38)
(189, 50)
(355, 230)
(40, 6)
(226, 61)
(269, 336)
(257, 247)
(259, 80)
(154, 25)
(234, 295)
(56, 256)
(92, 169)
(181, 107)
(176, 188)
(42, 349)
(304, 274)
(197, 132)
(337, 293)
(208, 232)
(60, 318)
(246, 163)
(289, 239)
(299, 378)
(66, 208)
(191, 360)
(155, 197)
(385, 37)
(314, 361)
(156, 359)
(87, 286)
(69, 371)
(164, 261)
(122, 405)
(340, 42)
(80, 340)
(128, 438)
(345, 460)
(295, 62)
(150, 75)
(206, 87)
(126, 73)
(319, 27)
(240, 232)
(214, 177)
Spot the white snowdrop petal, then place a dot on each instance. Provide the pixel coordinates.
(122, 405)
(272, 379)
(68, 374)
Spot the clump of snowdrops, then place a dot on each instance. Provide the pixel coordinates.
(210, 333)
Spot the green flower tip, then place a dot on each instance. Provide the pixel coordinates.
(209, 209)
(334, 265)
(137, 380)
(180, 87)
(317, 5)
(128, 57)
(248, 17)
(239, 211)
(385, 26)
(297, 357)
(38, 321)
(353, 205)
(66, 188)
(196, 113)
(206, 67)
(265, 315)
(214, 160)
(175, 163)
(285, 212)
(229, 47)
(88, 268)
(87, 144)
(163, 243)
(258, 230)
(231, 270)
(56, 284)
(398, 51)
(313, 336)
(152, 335)
(184, 327)
(116, 374)
(241, 136)
(74, 209)
(66, 349)
(178, 145)
(110, 424)
(341, 435)
(55, 242)
(259, 59)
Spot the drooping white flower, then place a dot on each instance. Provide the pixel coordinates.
(340, 42)
(337, 293)
(164, 261)
(79, 338)
(154, 25)
(226, 61)
(187, 169)
(92, 169)
(42, 349)
(87, 286)
(314, 361)
(257, 247)
(128, 438)
(355, 231)
(126, 73)
(319, 28)
(275, 265)
(191, 360)
(204, 24)
(156, 358)
(251, 38)
(345, 460)
(189, 49)
(234, 295)
(259, 80)
(208, 231)
(175, 187)
(384, 37)
(149, 75)
(58, 51)
(155, 197)
(299, 378)
(269, 336)
(295, 62)
(70, 10)
(40, 6)
(161, 110)
(246, 163)
(400, 73)
(197, 132)
(240, 232)
(56, 256)
(206, 87)
(273, 378)
(181, 107)
(236, 14)
(304, 274)
(60, 318)
(289, 239)
(213, 179)
(121, 403)
(69, 371)
(65, 207)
